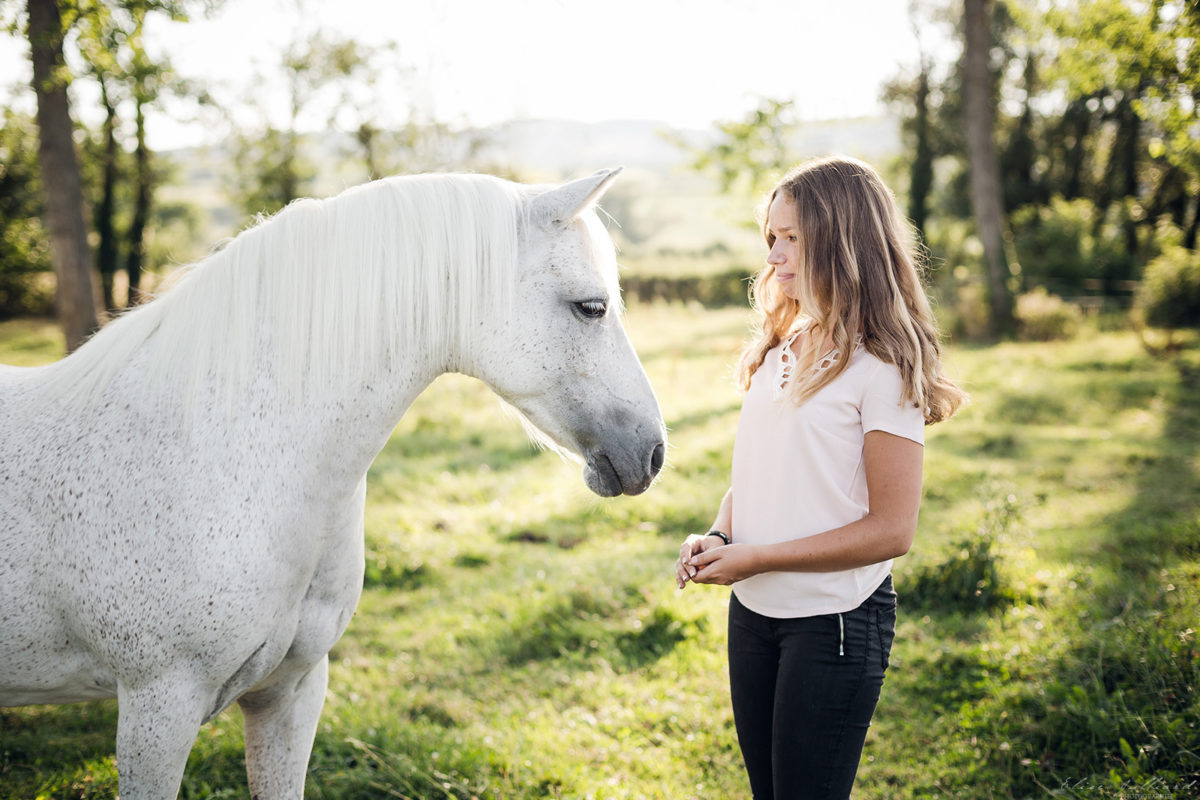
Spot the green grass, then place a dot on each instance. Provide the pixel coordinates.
(520, 638)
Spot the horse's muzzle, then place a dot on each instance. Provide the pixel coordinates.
(609, 475)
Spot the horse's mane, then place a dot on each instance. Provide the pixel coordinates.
(336, 284)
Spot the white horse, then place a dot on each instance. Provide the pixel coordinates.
(181, 500)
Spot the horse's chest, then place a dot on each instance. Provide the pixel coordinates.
(297, 640)
(330, 600)
(326, 595)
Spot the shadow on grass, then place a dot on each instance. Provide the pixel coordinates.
(44, 747)
(620, 627)
(1119, 707)
(569, 530)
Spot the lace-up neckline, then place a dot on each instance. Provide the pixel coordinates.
(787, 361)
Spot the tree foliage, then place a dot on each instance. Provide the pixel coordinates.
(104, 44)
(1097, 135)
(112, 45)
(750, 154)
(322, 72)
(1170, 292)
(24, 246)
(332, 83)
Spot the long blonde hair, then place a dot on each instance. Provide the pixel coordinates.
(857, 277)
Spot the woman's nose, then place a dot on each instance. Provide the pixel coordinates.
(776, 257)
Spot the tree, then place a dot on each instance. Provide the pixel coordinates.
(987, 197)
(1140, 63)
(752, 153)
(344, 79)
(112, 43)
(920, 178)
(99, 42)
(272, 171)
(148, 80)
(107, 36)
(1094, 110)
(24, 246)
(1018, 159)
(135, 258)
(75, 301)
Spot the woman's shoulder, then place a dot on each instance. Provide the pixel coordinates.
(863, 360)
(868, 369)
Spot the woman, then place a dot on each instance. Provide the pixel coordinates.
(839, 385)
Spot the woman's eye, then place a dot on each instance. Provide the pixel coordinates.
(592, 309)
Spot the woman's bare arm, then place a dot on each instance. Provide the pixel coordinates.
(893, 467)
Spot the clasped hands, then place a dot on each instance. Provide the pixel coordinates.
(707, 559)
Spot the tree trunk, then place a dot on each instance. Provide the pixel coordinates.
(141, 208)
(987, 200)
(367, 135)
(1170, 198)
(1017, 161)
(75, 300)
(921, 174)
(1129, 173)
(106, 248)
(1193, 230)
(1073, 134)
(1120, 175)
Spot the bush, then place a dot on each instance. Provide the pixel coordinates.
(965, 316)
(729, 288)
(970, 578)
(26, 280)
(1065, 245)
(1169, 296)
(1044, 317)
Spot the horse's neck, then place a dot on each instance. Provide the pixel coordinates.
(343, 428)
(325, 436)
(354, 427)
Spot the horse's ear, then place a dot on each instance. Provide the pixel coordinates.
(560, 205)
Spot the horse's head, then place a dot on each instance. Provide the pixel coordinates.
(562, 357)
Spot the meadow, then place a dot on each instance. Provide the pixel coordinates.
(520, 638)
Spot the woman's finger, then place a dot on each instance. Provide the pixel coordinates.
(683, 573)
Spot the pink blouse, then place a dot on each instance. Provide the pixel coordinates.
(798, 471)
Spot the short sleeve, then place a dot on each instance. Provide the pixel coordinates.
(885, 409)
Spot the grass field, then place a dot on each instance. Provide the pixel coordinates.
(520, 638)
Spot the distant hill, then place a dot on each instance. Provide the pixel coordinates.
(662, 213)
(667, 218)
(562, 146)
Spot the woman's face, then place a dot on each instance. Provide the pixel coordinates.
(784, 225)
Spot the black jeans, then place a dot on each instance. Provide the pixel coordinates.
(803, 693)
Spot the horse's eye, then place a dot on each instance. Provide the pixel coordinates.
(592, 309)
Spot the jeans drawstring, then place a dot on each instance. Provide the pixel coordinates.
(841, 636)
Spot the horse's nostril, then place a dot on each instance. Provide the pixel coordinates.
(656, 458)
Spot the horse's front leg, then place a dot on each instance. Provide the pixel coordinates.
(281, 723)
(156, 728)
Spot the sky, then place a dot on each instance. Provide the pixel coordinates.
(482, 62)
